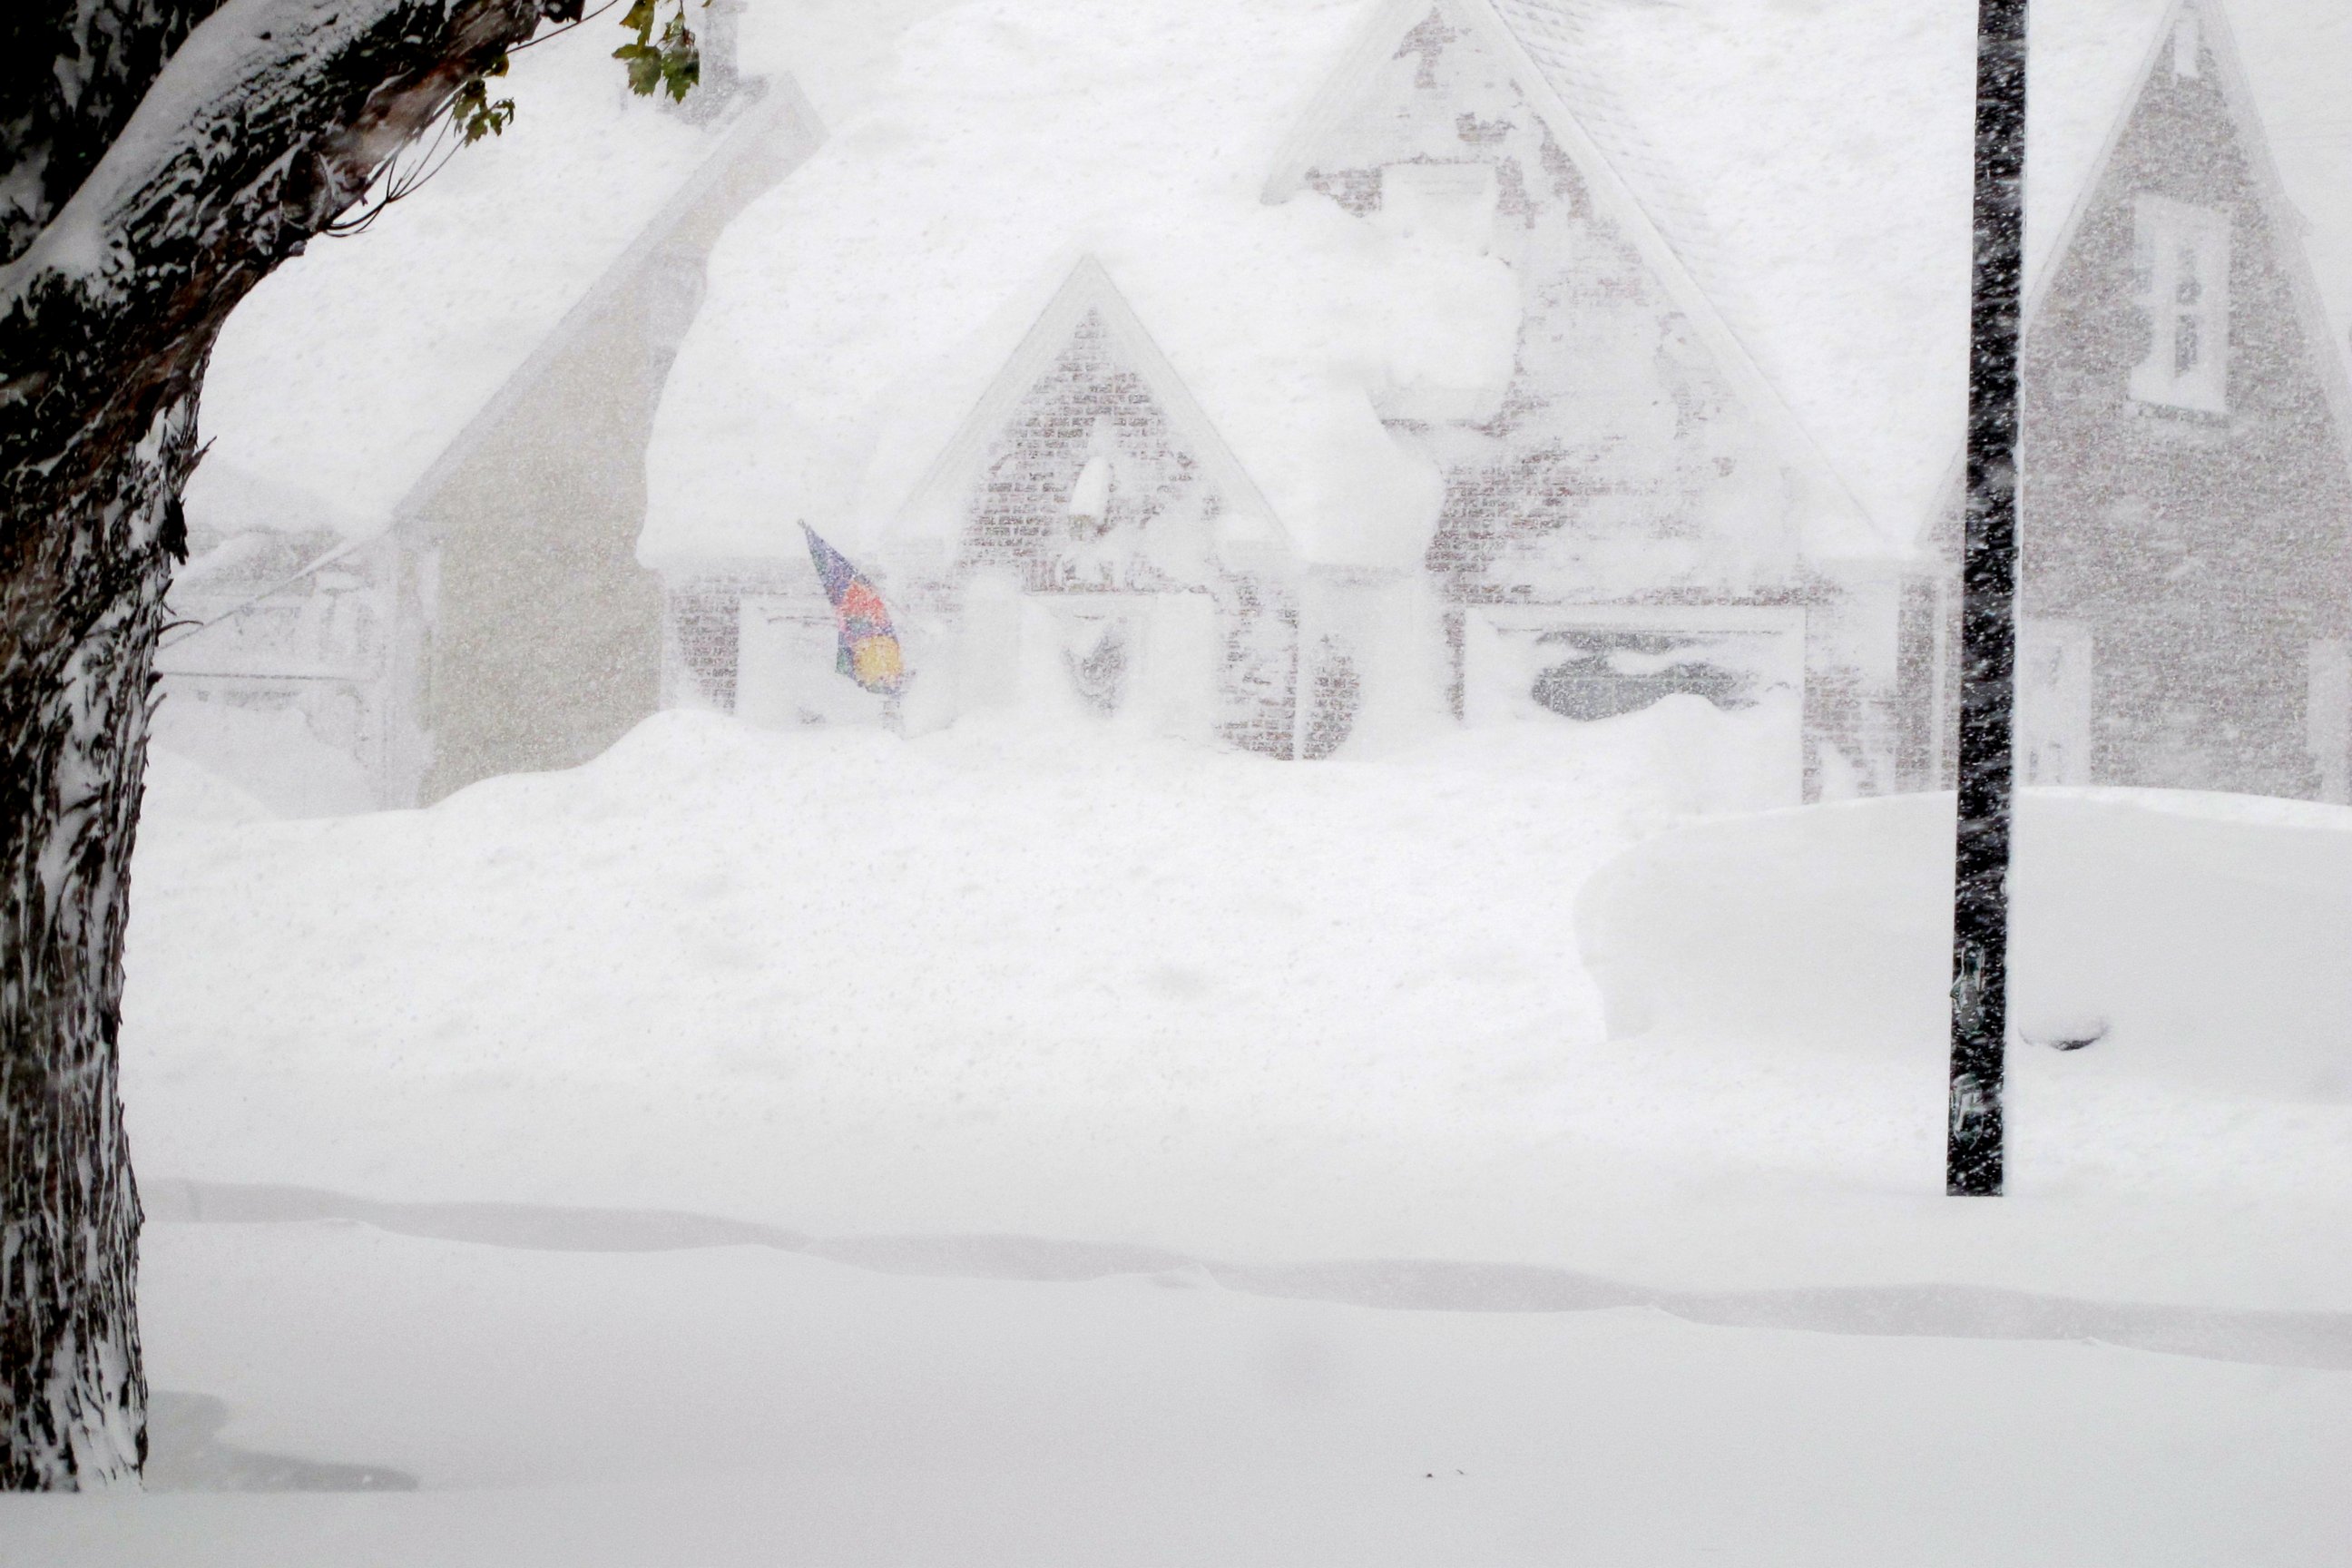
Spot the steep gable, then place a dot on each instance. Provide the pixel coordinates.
(1089, 402)
(2193, 134)
(1635, 447)
(2188, 515)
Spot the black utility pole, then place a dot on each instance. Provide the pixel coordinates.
(1972, 1158)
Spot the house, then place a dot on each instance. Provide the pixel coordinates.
(1659, 397)
(413, 539)
(1635, 512)
(2186, 597)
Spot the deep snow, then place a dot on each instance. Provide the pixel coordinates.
(1108, 989)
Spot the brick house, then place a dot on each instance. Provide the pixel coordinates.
(2186, 522)
(1636, 511)
(1086, 533)
(1591, 544)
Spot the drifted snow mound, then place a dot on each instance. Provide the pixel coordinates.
(183, 790)
(2210, 934)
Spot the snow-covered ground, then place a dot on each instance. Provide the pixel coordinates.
(719, 1407)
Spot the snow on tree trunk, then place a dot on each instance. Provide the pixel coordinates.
(82, 615)
(1974, 1148)
(176, 153)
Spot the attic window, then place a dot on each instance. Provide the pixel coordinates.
(2185, 46)
(2181, 274)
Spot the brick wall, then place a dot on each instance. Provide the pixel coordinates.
(2204, 553)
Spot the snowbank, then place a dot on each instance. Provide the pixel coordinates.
(220, 762)
(181, 790)
(2204, 937)
(1036, 984)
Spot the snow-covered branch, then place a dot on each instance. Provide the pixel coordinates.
(266, 122)
(72, 76)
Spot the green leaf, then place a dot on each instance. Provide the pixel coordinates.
(674, 65)
(644, 70)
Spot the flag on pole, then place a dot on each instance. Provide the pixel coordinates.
(869, 644)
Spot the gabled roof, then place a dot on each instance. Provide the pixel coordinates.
(1837, 523)
(2293, 228)
(772, 119)
(937, 503)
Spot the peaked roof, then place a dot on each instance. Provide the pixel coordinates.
(936, 501)
(1553, 33)
(2218, 38)
(1838, 522)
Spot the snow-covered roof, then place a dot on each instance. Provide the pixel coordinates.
(347, 373)
(857, 313)
(1807, 162)
(936, 507)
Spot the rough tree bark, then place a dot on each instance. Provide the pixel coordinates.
(159, 158)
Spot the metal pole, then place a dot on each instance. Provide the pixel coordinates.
(1973, 1152)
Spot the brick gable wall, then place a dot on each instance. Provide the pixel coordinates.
(2203, 552)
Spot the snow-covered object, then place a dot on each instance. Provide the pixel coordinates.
(858, 314)
(2206, 931)
(347, 373)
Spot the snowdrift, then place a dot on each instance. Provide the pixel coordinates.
(2207, 934)
(1055, 983)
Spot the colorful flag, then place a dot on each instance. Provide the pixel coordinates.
(869, 644)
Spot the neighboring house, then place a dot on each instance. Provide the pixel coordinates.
(1635, 512)
(2186, 589)
(1097, 541)
(287, 647)
(1706, 454)
(402, 583)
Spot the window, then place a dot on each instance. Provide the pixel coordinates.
(2180, 267)
(2186, 48)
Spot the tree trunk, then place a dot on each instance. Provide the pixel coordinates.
(177, 152)
(83, 609)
